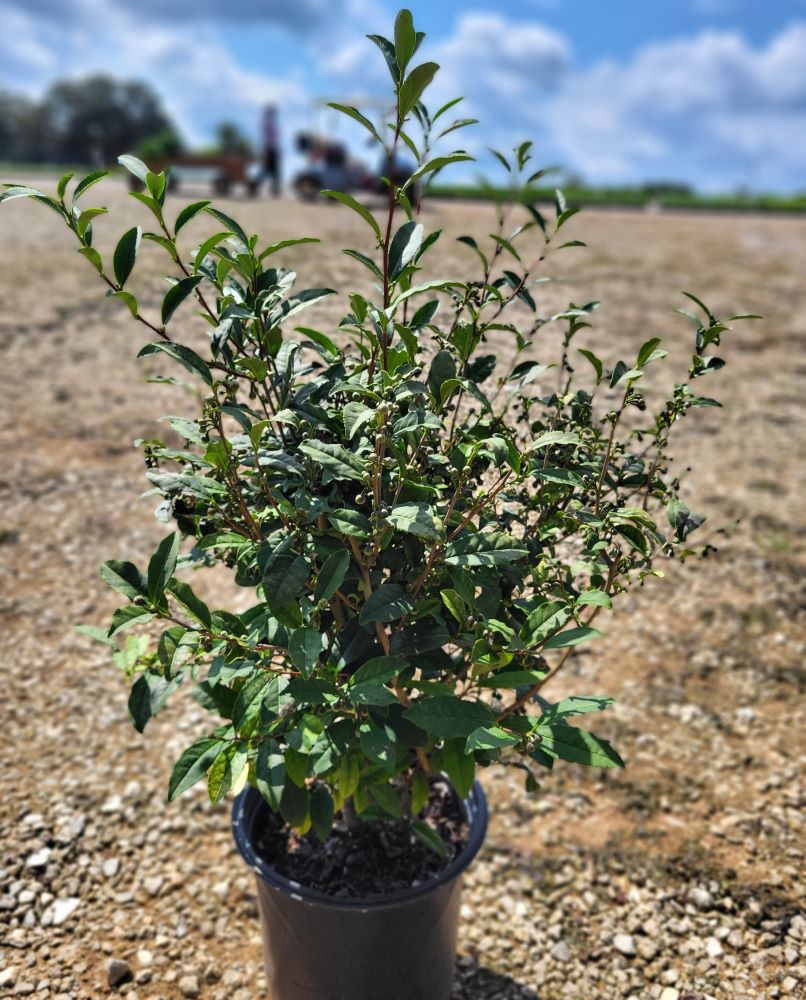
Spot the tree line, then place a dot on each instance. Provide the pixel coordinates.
(92, 121)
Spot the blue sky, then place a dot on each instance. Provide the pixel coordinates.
(710, 92)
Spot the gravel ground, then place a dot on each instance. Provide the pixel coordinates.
(677, 879)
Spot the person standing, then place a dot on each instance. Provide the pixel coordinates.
(271, 148)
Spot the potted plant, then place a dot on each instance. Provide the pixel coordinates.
(428, 530)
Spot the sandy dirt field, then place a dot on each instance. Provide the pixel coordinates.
(679, 878)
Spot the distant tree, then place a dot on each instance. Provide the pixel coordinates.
(230, 139)
(162, 146)
(17, 137)
(95, 119)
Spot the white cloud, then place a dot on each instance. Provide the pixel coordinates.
(201, 82)
(710, 108)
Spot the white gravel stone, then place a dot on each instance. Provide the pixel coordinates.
(624, 943)
(62, 909)
(561, 952)
(713, 948)
(39, 858)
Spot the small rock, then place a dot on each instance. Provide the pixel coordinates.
(110, 867)
(713, 948)
(561, 952)
(39, 859)
(670, 993)
(8, 976)
(153, 885)
(625, 944)
(145, 957)
(24, 989)
(736, 939)
(118, 972)
(789, 984)
(189, 987)
(647, 949)
(63, 908)
(701, 898)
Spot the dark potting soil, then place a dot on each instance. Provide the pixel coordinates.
(379, 857)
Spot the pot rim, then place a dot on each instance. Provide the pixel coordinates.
(250, 801)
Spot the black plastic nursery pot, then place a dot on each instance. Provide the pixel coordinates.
(400, 946)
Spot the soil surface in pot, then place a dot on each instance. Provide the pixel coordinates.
(379, 857)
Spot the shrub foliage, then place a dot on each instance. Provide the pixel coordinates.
(430, 519)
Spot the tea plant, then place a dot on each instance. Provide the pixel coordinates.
(430, 528)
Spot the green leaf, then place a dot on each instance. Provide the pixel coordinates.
(443, 369)
(320, 339)
(193, 765)
(229, 224)
(366, 686)
(544, 620)
(148, 695)
(577, 745)
(573, 706)
(358, 208)
(86, 217)
(270, 773)
(186, 357)
(336, 460)
(425, 833)
(322, 811)
(356, 115)
(313, 690)
(248, 701)
(304, 648)
(85, 183)
(449, 716)
(454, 602)
(126, 254)
(93, 257)
(596, 598)
(490, 738)
(131, 614)
(125, 578)
(388, 50)
(411, 89)
(349, 522)
(184, 593)
(573, 637)
(331, 575)
(189, 212)
(507, 679)
(549, 438)
(226, 770)
(295, 804)
(682, 519)
(417, 519)
(459, 766)
(162, 565)
(355, 415)
(134, 166)
(177, 294)
(61, 187)
(484, 549)
(283, 584)
(127, 299)
(388, 799)
(405, 245)
(386, 604)
(405, 39)
(284, 244)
